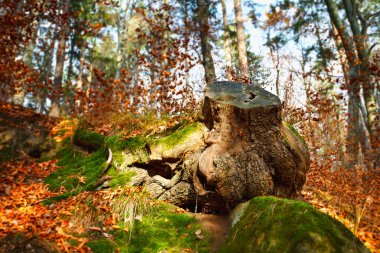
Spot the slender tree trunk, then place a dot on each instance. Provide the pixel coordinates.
(81, 65)
(306, 86)
(227, 42)
(278, 70)
(46, 73)
(60, 61)
(73, 43)
(242, 50)
(319, 39)
(120, 26)
(368, 87)
(353, 90)
(79, 83)
(208, 63)
(352, 141)
(186, 26)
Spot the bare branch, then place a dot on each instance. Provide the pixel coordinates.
(374, 15)
(356, 6)
(371, 48)
(364, 21)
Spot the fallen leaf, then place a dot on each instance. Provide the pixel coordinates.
(82, 179)
(95, 229)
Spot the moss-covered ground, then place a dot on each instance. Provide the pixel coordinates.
(272, 224)
(161, 229)
(78, 172)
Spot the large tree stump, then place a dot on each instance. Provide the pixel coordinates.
(250, 151)
(240, 151)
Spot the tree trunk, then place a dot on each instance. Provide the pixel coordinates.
(348, 45)
(60, 61)
(208, 63)
(242, 51)
(361, 44)
(238, 161)
(227, 42)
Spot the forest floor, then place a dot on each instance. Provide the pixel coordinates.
(22, 193)
(351, 196)
(216, 225)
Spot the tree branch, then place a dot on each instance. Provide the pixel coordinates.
(363, 21)
(374, 15)
(371, 48)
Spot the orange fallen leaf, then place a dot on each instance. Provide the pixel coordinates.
(82, 179)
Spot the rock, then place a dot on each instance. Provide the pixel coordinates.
(154, 188)
(270, 224)
(22, 243)
(22, 131)
(178, 144)
(237, 212)
(181, 194)
(140, 177)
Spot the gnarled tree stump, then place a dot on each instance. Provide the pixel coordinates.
(242, 149)
(250, 151)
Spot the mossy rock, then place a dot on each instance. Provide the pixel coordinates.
(178, 143)
(159, 230)
(297, 145)
(270, 224)
(88, 139)
(295, 133)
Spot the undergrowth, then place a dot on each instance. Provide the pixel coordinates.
(78, 172)
(117, 219)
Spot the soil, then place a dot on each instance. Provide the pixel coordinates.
(217, 227)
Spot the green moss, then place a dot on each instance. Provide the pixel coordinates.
(163, 231)
(89, 139)
(102, 246)
(272, 224)
(77, 168)
(295, 132)
(117, 142)
(7, 154)
(119, 178)
(132, 149)
(179, 136)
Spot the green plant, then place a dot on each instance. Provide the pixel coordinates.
(132, 205)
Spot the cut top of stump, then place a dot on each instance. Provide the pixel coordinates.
(241, 95)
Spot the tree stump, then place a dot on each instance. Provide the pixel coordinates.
(249, 152)
(241, 150)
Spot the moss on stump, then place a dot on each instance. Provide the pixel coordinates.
(270, 224)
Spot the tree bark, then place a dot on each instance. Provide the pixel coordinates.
(238, 161)
(361, 45)
(227, 42)
(353, 90)
(208, 63)
(242, 50)
(60, 61)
